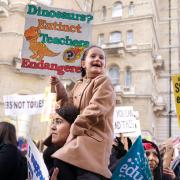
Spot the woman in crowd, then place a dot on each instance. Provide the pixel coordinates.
(155, 162)
(60, 128)
(13, 165)
(89, 144)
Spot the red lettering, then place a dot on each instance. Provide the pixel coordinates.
(26, 63)
(77, 69)
(60, 70)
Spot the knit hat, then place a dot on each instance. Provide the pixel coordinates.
(68, 112)
(149, 145)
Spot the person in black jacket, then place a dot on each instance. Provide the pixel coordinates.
(13, 166)
(119, 149)
(60, 127)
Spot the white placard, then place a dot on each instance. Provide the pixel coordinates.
(23, 104)
(36, 167)
(54, 40)
(124, 120)
(136, 133)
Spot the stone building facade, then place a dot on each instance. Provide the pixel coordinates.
(142, 54)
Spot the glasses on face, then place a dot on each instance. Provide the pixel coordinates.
(56, 121)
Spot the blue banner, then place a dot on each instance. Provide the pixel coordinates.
(134, 165)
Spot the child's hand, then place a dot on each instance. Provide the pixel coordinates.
(54, 80)
(169, 172)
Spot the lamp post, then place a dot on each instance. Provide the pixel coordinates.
(170, 105)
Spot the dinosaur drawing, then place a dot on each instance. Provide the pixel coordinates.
(39, 49)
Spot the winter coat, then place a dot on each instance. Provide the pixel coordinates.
(13, 165)
(92, 130)
(117, 153)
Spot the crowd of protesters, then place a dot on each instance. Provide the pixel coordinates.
(13, 165)
(90, 95)
(80, 145)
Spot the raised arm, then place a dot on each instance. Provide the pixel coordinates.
(58, 88)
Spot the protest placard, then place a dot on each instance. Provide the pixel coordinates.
(124, 120)
(135, 133)
(36, 167)
(49, 104)
(54, 40)
(23, 104)
(176, 88)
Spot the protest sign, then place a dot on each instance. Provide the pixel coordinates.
(54, 40)
(49, 104)
(135, 133)
(124, 120)
(23, 104)
(36, 167)
(176, 87)
(134, 165)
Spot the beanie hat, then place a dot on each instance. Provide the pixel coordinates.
(149, 145)
(68, 112)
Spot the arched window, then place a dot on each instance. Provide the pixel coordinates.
(114, 74)
(128, 77)
(104, 12)
(131, 8)
(117, 9)
(115, 36)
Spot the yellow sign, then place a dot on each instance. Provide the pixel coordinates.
(176, 87)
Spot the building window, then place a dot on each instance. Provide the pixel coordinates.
(117, 9)
(100, 39)
(104, 12)
(130, 37)
(115, 37)
(128, 77)
(131, 9)
(114, 74)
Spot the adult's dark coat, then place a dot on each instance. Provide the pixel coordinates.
(12, 164)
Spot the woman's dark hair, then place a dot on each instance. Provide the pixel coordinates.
(7, 133)
(158, 172)
(83, 70)
(69, 112)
